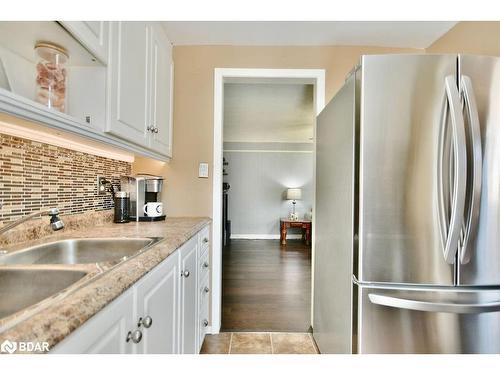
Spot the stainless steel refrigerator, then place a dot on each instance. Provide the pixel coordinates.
(407, 256)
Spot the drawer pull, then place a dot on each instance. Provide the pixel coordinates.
(206, 264)
(146, 322)
(206, 289)
(205, 240)
(135, 336)
(205, 323)
(185, 273)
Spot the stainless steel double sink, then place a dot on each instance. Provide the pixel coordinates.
(24, 283)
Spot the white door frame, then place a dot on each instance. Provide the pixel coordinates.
(222, 75)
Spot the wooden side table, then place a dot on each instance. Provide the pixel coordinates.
(305, 225)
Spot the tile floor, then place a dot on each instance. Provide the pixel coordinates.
(259, 343)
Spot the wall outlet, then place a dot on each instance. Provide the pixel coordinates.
(101, 185)
(203, 170)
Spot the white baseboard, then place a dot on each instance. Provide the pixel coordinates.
(264, 236)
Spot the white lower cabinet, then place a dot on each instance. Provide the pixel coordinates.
(162, 313)
(157, 313)
(189, 288)
(105, 332)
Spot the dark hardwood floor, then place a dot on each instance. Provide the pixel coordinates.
(266, 287)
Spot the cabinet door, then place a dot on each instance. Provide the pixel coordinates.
(128, 86)
(93, 35)
(189, 289)
(104, 333)
(160, 102)
(158, 298)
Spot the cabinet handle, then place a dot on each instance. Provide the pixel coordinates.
(155, 130)
(206, 264)
(206, 289)
(149, 128)
(146, 322)
(185, 273)
(205, 323)
(135, 336)
(205, 240)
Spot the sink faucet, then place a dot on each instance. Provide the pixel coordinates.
(55, 222)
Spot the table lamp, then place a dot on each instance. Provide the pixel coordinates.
(294, 195)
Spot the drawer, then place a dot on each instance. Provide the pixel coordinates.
(203, 265)
(204, 293)
(389, 318)
(203, 324)
(204, 239)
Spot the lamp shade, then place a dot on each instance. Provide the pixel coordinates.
(293, 194)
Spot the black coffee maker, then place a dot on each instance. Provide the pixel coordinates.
(142, 189)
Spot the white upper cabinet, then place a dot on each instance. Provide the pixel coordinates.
(91, 34)
(128, 81)
(160, 102)
(140, 89)
(119, 88)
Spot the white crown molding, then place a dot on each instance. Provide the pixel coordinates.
(405, 34)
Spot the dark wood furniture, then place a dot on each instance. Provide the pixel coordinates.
(305, 225)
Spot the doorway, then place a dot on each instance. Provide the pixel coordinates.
(250, 295)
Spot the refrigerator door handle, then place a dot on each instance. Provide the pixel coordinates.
(460, 171)
(454, 308)
(477, 159)
(440, 183)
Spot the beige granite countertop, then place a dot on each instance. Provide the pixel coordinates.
(55, 318)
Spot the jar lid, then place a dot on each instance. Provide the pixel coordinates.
(122, 194)
(51, 51)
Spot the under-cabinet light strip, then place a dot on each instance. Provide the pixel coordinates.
(60, 141)
(272, 151)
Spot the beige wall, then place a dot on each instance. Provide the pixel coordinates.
(480, 38)
(186, 194)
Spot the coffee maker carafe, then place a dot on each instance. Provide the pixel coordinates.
(143, 189)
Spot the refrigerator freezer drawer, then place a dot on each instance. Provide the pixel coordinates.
(428, 320)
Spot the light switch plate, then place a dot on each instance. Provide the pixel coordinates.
(203, 170)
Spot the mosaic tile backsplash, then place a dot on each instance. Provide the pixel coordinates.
(35, 175)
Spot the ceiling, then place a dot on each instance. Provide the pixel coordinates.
(266, 112)
(410, 34)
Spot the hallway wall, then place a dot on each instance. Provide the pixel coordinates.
(259, 174)
(185, 194)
